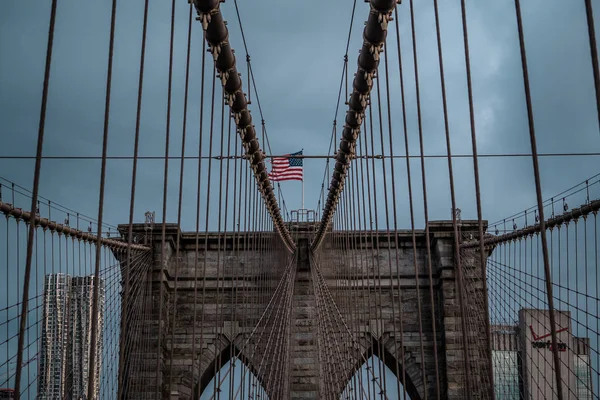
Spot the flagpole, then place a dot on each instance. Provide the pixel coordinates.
(303, 192)
(302, 152)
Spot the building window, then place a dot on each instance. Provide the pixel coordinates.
(506, 375)
(582, 370)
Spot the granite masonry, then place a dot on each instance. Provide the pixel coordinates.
(223, 283)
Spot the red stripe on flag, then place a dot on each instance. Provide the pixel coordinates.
(282, 171)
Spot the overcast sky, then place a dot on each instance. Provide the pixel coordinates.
(297, 50)
(297, 53)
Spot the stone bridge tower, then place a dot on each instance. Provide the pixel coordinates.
(193, 347)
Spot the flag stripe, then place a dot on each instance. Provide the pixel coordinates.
(285, 179)
(296, 172)
(288, 174)
(287, 168)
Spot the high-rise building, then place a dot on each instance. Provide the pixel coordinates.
(523, 361)
(66, 336)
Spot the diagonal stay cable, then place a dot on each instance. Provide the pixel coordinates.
(285, 278)
(330, 299)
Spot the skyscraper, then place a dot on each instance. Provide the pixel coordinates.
(66, 336)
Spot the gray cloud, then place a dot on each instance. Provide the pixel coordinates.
(297, 52)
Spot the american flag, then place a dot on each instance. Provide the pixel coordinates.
(287, 168)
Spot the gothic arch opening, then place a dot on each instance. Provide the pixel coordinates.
(381, 365)
(232, 376)
(362, 385)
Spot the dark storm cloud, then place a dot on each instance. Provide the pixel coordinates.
(297, 51)
(297, 56)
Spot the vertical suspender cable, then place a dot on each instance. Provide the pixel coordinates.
(197, 241)
(125, 302)
(179, 204)
(408, 170)
(208, 186)
(163, 244)
(482, 258)
(220, 262)
(381, 348)
(362, 241)
(217, 34)
(538, 189)
(228, 260)
(234, 254)
(425, 202)
(34, 198)
(364, 165)
(448, 148)
(373, 35)
(91, 390)
(395, 216)
(369, 135)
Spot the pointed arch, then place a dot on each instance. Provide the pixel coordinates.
(371, 347)
(227, 352)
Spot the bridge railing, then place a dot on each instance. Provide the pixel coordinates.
(58, 312)
(517, 288)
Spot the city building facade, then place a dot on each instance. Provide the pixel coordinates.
(523, 362)
(66, 336)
